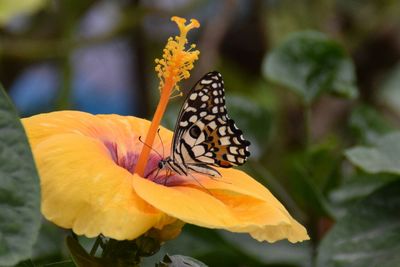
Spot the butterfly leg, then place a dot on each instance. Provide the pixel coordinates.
(167, 175)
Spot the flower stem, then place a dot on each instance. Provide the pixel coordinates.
(155, 123)
(95, 246)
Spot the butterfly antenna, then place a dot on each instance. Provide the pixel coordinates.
(152, 171)
(162, 144)
(140, 139)
(198, 182)
(219, 180)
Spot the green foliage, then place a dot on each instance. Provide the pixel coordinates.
(50, 244)
(27, 263)
(10, 8)
(357, 187)
(367, 124)
(390, 93)
(304, 190)
(310, 64)
(383, 156)
(19, 189)
(368, 235)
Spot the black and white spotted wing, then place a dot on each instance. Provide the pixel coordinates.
(204, 134)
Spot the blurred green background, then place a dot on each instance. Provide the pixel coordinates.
(315, 86)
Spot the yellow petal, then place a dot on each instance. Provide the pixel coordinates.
(294, 232)
(185, 203)
(83, 189)
(264, 221)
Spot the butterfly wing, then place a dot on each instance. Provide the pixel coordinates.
(204, 134)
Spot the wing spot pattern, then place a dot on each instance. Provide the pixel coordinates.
(193, 118)
(224, 140)
(212, 125)
(183, 123)
(193, 96)
(210, 117)
(204, 98)
(233, 150)
(230, 158)
(222, 130)
(206, 81)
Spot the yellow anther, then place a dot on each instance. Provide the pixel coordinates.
(177, 59)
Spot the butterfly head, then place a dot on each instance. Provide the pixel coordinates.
(162, 163)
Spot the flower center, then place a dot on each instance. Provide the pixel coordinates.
(129, 160)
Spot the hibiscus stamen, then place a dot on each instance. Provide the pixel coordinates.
(176, 62)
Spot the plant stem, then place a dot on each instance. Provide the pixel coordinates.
(95, 246)
(307, 126)
(66, 83)
(313, 218)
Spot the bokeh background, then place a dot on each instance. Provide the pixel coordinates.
(98, 56)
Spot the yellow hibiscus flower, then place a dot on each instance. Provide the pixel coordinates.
(96, 175)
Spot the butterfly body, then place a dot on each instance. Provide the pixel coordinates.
(204, 134)
(184, 169)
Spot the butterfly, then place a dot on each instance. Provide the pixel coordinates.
(204, 134)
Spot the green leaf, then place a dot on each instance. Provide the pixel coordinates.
(390, 93)
(359, 186)
(180, 261)
(50, 244)
(367, 124)
(369, 235)
(355, 188)
(310, 63)
(19, 189)
(383, 156)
